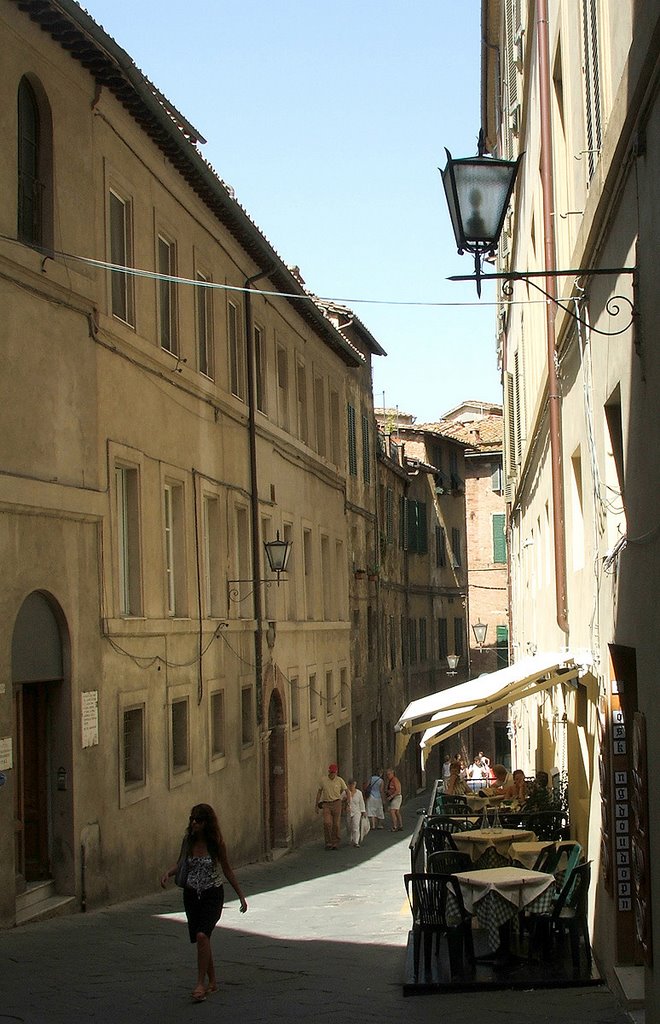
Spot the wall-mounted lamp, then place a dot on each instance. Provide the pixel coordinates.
(478, 191)
(452, 663)
(480, 630)
(277, 553)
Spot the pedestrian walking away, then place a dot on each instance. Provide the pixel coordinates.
(375, 796)
(394, 799)
(331, 793)
(202, 863)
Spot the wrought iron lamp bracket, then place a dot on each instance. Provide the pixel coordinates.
(234, 589)
(613, 305)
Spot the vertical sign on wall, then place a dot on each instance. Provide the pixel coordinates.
(621, 794)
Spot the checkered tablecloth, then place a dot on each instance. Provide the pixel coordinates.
(493, 906)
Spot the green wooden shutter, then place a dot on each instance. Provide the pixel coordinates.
(499, 538)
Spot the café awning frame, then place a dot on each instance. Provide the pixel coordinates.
(441, 715)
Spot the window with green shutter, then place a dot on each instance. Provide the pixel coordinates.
(499, 538)
(502, 644)
(352, 445)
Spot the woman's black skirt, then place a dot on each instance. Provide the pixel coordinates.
(203, 910)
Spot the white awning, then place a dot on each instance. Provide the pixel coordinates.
(442, 714)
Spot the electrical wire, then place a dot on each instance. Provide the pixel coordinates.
(153, 275)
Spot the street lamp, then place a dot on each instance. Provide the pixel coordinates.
(277, 553)
(480, 629)
(452, 663)
(478, 190)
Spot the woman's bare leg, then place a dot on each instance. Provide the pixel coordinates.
(203, 959)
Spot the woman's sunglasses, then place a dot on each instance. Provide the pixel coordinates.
(196, 817)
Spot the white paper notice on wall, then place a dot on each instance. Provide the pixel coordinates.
(6, 754)
(89, 717)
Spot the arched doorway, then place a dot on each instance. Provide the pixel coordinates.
(38, 670)
(277, 804)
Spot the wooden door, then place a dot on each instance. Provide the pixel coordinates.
(31, 804)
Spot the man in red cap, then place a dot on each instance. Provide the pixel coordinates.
(329, 799)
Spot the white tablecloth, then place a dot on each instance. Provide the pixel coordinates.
(527, 853)
(476, 841)
(498, 894)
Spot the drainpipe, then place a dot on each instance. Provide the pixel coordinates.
(256, 561)
(254, 492)
(554, 396)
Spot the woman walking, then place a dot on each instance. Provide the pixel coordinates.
(394, 798)
(203, 861)
(374, 801)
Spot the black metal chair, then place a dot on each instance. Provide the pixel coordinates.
(548, 860)
(447, 862)
(569, 912)
(437, 909)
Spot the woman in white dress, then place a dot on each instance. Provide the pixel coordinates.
(374, 802)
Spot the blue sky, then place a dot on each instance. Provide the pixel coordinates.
(329, 118)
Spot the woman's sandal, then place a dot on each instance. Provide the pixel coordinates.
(199, 995)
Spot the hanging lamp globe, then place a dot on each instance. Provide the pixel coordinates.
(478, 190)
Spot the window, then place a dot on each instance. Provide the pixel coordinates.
(236, 362)
(242, 562)
(443, 649)
(313, 698)
(301, 389)
(326, 580)
(389, 515)
(343, 688)
(308, 573)
(335, 437)
(203, 301)
(34, 168)
(294, 689)
(134, 746)
(412, 641)
(591, 71)
(499, 538)
(214, 598)
(366, 451)
(179, 735)
(283, 387)
(129, 574)
(121, 254)
(174, 549)
(319, 415)
(459, 635)
(502, 644)
(260, 368)
(247, 716)
(218, 724)
(329, 693)
(290, 591)
(497, 478)
(417, 529)
(440, 547)
(167, 295)
(423, 655)
(404, 640)
(577, 506)
(352, 444)
(392, 639)
(456, 547)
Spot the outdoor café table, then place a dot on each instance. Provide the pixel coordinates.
(497, 895)
(480, 841)
(526, 853)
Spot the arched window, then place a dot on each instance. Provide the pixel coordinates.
(34, 166)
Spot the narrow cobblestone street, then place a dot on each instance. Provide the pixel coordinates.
(324, 939)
